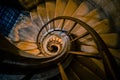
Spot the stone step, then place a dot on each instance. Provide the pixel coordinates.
(83, 71)
(82, 10)
(50, 8)
(111, 40)
(60, 7)
(41, 10)
(72, 5)
(88, 49)
(71, 74)
(116, 54)
(91, 19)
(24, 30)
(35, 18)
(26, 46)
(102, 27)
(93, 65)
(70, 8)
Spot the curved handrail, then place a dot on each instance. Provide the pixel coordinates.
(108, 60)
(11, 55)
(110, 65)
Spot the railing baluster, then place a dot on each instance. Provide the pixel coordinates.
(72, 28)
(46, 28)
(54, 25)
(62, 72)
(81, 36)
(63, 24)
(85, 54)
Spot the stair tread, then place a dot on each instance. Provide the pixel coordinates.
(33, 52)
(50, 9)
(26, 45)
(111, 40)
(116, 54)
(35, 18)
(83, 71)
(88, 62)
(71, 7)
(82, 10)
(89, 49)
(71, 74)
(92, 14)
(98, 63)
(102, 27)
(60, 6)
(29, 47)
(24, 30)
(41, 9)
(91, 19)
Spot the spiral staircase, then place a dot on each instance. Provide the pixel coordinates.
(61, 40)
